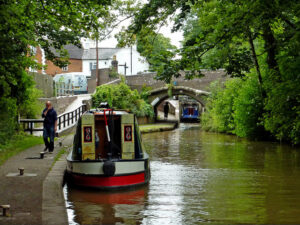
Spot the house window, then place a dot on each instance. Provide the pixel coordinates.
(33, 69)
(65, 68)
(92, 66)
(32, 50)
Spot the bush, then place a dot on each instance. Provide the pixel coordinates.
(219, 108)
(122, 97)
(8, 118)
(31, 107)
(235, 108)
(248, 109)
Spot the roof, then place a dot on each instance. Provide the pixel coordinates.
(74, 51)
(103, 53)
(88, 54)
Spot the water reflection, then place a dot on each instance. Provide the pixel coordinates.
(94, 207)
(203, 178)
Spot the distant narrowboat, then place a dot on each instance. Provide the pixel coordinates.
(190, 113)
(108, 152)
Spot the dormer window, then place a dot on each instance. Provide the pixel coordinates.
(65, 68)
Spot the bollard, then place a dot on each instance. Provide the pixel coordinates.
(21, 171)
(5, 209)
(42, 155)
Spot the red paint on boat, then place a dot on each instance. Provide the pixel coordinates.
(115, 181)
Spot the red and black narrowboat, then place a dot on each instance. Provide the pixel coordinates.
(108, 152)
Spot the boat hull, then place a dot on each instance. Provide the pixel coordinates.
(108, 183)
(90, 174)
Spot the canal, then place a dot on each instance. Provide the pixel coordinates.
(201, 178)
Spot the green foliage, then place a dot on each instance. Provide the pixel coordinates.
(248, 109)
(256, 41)
(145, 92)
(219, 107)
(8, 118)
(235, 108)
(113, 73)
(17, 143)
(154, 47)
(282, 117)
(122, 97)
(47, 24)
(31, 107)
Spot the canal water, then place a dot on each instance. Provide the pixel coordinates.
(201, 178)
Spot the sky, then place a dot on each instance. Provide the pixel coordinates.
(165, 30)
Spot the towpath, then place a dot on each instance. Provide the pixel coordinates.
(36, 197)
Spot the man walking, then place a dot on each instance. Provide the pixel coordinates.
(166, 110)
(50, 126)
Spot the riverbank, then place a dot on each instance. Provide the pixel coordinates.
(35, 197)
(157, 127)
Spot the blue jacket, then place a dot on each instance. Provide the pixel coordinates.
(50, 117)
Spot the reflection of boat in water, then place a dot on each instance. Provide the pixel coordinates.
(129, 197)
(98, 207)
(108, 152)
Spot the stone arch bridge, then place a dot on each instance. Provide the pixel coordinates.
(196, 88)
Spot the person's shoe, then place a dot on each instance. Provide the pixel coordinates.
(46, 149)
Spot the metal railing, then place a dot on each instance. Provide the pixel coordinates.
(64, 120)
(63, 89)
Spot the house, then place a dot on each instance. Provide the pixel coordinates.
(130, 62)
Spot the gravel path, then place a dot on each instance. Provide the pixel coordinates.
(24, 193)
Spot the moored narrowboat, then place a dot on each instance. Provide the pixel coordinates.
(107, 151)
(190, 113)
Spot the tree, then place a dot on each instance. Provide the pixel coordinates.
(239, 36)
(122, 97)
(41, 23)
(153, 46)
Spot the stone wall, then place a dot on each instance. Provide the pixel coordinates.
(44, 83)
(60, 104)
(104, 78)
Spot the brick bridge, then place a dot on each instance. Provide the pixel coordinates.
(196, 88)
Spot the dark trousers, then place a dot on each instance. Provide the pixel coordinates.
(166, 114)
(48, 133)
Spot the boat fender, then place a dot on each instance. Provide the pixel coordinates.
(109, 168)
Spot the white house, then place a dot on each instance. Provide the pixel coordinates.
(129, 60)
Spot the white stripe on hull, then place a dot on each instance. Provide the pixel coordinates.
(96, 168)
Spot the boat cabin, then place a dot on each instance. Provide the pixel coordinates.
(107, 135)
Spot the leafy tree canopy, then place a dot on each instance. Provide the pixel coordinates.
(48, 24)
(222, 33)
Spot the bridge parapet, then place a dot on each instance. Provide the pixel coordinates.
(138, 81)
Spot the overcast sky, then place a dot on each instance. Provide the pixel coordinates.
(166, 31)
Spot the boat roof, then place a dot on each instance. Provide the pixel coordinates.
(101, 112)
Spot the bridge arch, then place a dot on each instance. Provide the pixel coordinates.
(158, 95)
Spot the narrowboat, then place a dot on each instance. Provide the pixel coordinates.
(107, 151)
(190, 113)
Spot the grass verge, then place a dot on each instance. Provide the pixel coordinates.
(156, 127)
(18, 143)
(61, 152)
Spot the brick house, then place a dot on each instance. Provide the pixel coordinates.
(75, 59)
(84, 60)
